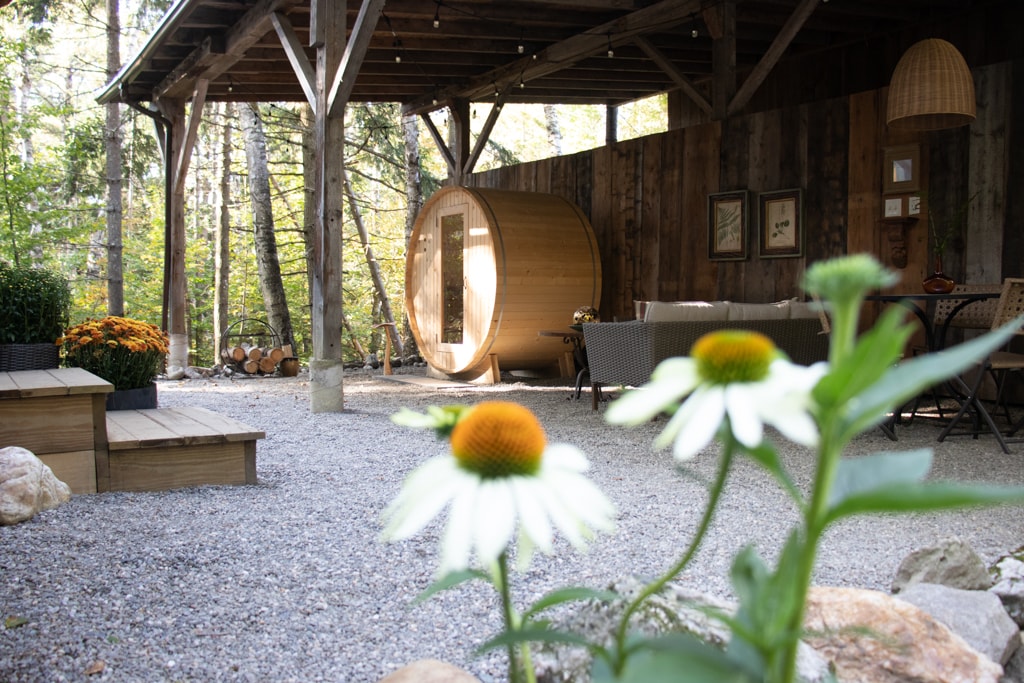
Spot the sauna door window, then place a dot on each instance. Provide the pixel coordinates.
(452, 277)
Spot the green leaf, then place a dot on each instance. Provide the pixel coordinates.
(450, 580)
(873, 355)
(923, 497)
(681, 658)
(910, 377)
(537, 634)
(15, 622)
(860, 475)
(568, 595)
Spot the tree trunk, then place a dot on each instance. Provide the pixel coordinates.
(308, 119)
(115, 270)
(271, 284)
(371, 261)
(554, 130)
(222, 238)
(414, 202)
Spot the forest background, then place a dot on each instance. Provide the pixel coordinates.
(81, 190)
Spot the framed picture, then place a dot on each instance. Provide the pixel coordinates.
(727, 226)
(901, 170)
(780, 218)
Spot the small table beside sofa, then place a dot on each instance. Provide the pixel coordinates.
(626, 353)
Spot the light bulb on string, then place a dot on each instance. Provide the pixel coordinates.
(694, 33)
(611, 52)
(437, 16)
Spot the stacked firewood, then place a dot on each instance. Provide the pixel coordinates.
(255, 360)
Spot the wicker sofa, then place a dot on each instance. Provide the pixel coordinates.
(626, 353)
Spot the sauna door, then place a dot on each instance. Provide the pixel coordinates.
(466, 284)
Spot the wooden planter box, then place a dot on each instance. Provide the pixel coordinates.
(58, 415)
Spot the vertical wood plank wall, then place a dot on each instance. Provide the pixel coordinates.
(647, 198)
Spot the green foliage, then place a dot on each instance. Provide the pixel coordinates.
(34, 305)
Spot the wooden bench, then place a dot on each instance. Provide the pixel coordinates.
(165, 448)
(58, 415)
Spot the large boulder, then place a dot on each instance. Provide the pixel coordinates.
(27, 486)
(950, 563)
(976, 616)
(430, 671)
(872, 637)
(675, 609)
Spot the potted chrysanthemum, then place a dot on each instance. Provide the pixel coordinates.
(126, 352)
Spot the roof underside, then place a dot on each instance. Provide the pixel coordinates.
(532, 51)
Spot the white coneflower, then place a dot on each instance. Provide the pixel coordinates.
(731, 373)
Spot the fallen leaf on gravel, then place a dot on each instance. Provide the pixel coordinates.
(15, 622)
(96, 667)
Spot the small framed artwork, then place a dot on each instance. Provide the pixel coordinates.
(727, 226)
(780, 217)
(901, 171)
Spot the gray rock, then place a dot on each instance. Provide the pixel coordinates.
(674, 610)
(976, 616)
(950, 563)
(1009, 586)
(27, 486)
(1013, 670)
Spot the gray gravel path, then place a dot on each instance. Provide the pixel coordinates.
(287, 580)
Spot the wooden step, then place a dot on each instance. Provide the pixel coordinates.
(165, 448)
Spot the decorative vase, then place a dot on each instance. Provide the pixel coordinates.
(938, 282)
(133, 399)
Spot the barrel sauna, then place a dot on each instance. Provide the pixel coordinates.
(487, 270)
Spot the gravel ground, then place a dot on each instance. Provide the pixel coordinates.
(287, 580)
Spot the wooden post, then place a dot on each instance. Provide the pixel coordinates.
(387, 346)
(177, 357)
(723, 58)
(325, 369)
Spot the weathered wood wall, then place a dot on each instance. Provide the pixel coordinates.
(647, 198)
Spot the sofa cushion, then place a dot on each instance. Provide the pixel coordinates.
(804, 309)
(669, 311)
(779, 310)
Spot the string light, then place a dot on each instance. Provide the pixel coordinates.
(694, 33)
(520, 48)
(437, 16)
(611, 52)
(398, 51)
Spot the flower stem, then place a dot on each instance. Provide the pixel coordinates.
(519, 664)
(729, 443)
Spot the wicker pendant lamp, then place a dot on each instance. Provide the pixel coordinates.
(931, 88)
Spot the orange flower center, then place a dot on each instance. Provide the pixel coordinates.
(733, 356)
(499, 439)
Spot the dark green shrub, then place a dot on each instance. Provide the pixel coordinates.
(35, 305)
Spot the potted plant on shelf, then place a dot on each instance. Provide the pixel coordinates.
(35, 304)
(126, 352)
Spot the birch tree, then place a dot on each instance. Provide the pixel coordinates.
(268, 265)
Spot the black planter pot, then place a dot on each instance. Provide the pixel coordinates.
(133, 399)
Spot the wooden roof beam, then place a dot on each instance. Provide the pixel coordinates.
(296, 56)
(208, 65)
(679, 78)
(786, 34)
(355, 53)
(567, 52)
